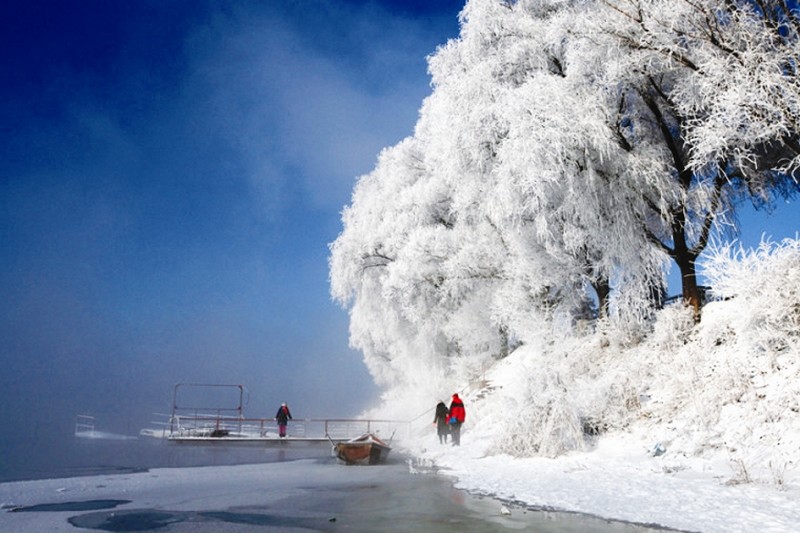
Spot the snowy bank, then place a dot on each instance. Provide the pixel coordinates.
(690, 426)
(722, 465)
(619, 482)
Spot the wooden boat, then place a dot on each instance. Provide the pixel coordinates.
(367, 449)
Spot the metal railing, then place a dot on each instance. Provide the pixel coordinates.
(216, 427)
(84, 424)
(192, 419)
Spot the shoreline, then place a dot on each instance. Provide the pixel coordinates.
(303, 493)
(616, 483)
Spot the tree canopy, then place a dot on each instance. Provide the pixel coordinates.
(569, 150)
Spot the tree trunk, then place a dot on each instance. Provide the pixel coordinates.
(603, 290)
(691, 291)
(504, 344)
(685, 259)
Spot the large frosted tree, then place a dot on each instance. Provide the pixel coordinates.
(567, 150)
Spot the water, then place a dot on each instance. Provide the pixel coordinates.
(88, 456)
(307, 490)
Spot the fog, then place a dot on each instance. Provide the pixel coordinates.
(171, 178)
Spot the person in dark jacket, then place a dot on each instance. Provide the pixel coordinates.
(457, 415)
(283, 416)
(440, 419)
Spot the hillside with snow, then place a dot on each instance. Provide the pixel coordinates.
(694, 427)
(726, 388)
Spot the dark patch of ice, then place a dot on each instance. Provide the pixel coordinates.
(87, 505)
(151, 519)
(133, 520)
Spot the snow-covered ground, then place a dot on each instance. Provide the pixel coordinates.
(619, 482)
(689, 426)
(613, 481)
(699, 438)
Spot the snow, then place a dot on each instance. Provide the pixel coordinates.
(614, 481)
(307, 495)
(617, 481)
(698, 425)
(691, 426)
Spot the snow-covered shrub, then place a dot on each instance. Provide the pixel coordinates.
(548, 424)
(672, 327)
(558, 394)
(730, 384)
(765, 282)
(606, 402)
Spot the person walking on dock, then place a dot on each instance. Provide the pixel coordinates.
(283, 416)
(457, 416)
(440, 419)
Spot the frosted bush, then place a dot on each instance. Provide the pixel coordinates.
(766, 283)
(672, 327)
(548, 424)
(606, 402)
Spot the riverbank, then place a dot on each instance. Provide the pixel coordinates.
(307, 495)
(443, 487)
(621, 480)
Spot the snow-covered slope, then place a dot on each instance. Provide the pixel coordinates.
(692, 426)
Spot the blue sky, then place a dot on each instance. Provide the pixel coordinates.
(172, 175)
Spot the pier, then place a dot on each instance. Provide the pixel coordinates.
(194, 423)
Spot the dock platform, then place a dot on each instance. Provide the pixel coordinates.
(191, 423)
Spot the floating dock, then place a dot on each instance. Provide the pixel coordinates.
(197, 424)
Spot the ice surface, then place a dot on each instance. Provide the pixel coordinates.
(307, 495)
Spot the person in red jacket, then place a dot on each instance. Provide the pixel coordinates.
(457, 416)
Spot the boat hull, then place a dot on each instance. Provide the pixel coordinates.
(364, 450)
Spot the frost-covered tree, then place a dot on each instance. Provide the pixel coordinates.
(573, 185)
(526, 143)
(417, 303)
(569, 147)
(368, 258)
(708, 91)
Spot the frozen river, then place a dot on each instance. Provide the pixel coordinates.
(286, 493)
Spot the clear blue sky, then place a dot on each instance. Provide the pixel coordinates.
(172, 173)
(171, 176)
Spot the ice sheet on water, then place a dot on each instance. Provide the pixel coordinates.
(320, 495)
